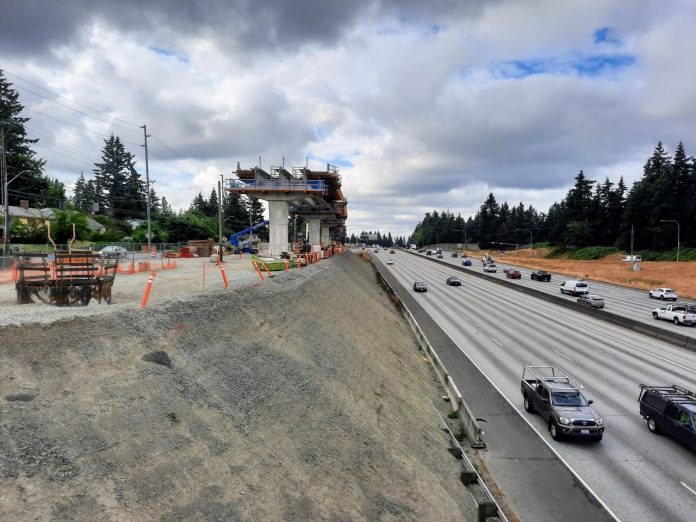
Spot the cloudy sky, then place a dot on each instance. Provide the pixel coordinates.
(422, 104)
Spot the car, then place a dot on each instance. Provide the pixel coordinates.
(592, 300)
(392, 251)
(390, 262)
(676, 313)
(439, 256)
(420, 286)
(557, 397)
(670, 410)
(466, 262)
(631, 259)
(491, 268)
(513, 274)
(506, 269)
(574, 288)
(663, 294)
(454, 281)
(541, 275)
(113, 250)
(428, 252)
(376, 251)
(454, 254)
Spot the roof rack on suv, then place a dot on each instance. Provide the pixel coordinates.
(673, 393)
(557, 375)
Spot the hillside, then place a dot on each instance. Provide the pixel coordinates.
(304, 398)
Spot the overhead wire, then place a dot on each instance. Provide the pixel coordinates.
(64, 98)
(202, 170)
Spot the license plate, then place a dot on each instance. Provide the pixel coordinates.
(584, 432)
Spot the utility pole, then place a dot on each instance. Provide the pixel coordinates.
(5, 201)
(147, 185)
(220, 212)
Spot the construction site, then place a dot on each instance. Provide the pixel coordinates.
(272, 399)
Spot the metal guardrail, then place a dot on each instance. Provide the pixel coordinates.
(278, 184)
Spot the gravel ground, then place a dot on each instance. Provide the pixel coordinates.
(300, 398)
(127, 292)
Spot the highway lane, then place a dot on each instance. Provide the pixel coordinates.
(640, 476)
(628, 302)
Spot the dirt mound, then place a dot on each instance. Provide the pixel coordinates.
(302, 399)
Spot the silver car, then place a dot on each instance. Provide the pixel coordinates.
(121, 252)
(592, 300)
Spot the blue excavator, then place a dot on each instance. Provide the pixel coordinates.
(245, 247)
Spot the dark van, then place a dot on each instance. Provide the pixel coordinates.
(670, 410)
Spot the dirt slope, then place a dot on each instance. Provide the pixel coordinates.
(304, 398)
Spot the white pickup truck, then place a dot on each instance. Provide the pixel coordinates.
(678, 314)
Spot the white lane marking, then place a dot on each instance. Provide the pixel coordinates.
(622, 342)
(509, 324)
(687, 487)
(496, 341)
(603, 353)
(562, 355)
(529, 423)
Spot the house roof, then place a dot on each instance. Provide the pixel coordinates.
(30, 213)
(94, 224)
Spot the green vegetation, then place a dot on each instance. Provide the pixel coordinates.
(453, 415)
(583, 254)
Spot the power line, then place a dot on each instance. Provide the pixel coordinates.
(79, 127)
(63, 97)
(76, 110)
(54, 142)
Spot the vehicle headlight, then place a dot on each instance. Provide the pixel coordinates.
(564, 420)
(600, 422)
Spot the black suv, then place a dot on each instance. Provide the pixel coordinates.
(670, 410)
(541, 275)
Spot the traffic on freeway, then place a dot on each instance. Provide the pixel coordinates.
(639, 475)
(628, 302)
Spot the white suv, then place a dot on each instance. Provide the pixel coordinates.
(662, 294)
(574, 288)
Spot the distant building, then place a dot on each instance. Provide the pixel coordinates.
(135, 223)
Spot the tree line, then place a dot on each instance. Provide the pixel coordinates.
(385, 240)
(593, 213)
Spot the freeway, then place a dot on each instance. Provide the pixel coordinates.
(640, 476)
(628, 302)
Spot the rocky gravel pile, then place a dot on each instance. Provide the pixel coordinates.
(300, 398)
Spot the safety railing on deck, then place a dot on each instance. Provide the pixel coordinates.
(278, 184)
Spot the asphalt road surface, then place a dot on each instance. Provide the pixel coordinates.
(638, 475)
(628, 302)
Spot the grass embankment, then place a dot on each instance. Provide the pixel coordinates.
(275, 266)
(584, 264)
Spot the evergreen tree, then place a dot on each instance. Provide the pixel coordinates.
(166, 208)
(78, 198)
(117, 184)
(19, 156)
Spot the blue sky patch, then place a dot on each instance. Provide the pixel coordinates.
(169, 54)
(593, 65)
(605, 35)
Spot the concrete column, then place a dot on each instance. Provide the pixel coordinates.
(325, 235)
(314, 231)
(278, 227)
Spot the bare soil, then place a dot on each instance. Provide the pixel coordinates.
(680, 276)
(303, 398)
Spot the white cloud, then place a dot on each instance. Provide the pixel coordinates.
(408, 94)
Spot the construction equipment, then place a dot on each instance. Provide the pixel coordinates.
(246, 247)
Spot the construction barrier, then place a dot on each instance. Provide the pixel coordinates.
(265, 267)
(224, 276)
(148, 287)
(258, 270)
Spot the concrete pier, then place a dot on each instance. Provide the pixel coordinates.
(278, 227)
